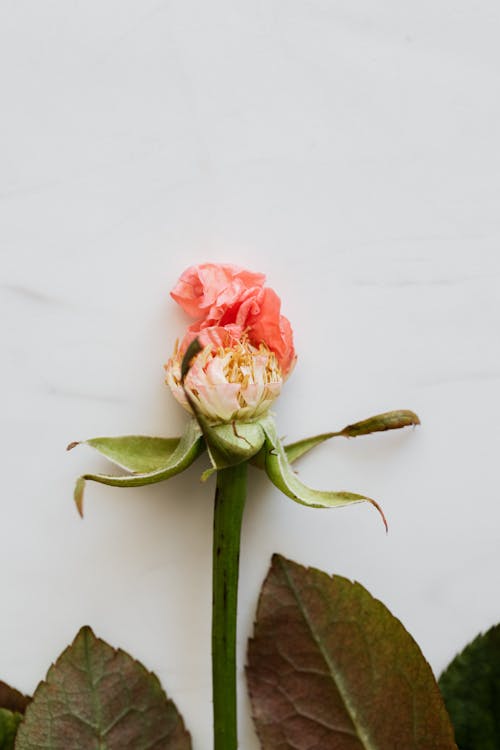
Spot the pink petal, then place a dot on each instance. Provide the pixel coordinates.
(217, 336)
(210, 288)
(272, 328)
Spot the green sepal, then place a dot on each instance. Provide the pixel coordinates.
(9, 723)
(389, 420)
(228, 444)
(188, 449)
(280, 473)
(134, 453)
(301, 447)
(231, 444)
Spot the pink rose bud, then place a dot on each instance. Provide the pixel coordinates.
(234, 383)
(247, 344)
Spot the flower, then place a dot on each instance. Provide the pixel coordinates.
(247, 345)
(229, 297)
(227, 371)
(211, 289)
(227, 384)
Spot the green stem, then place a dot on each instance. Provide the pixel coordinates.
(228, 513)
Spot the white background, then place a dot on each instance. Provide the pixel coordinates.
(349, 150)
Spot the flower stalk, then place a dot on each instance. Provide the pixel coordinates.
(227, 371)
(228, 514)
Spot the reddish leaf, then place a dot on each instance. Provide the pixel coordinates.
(331, 669)
(99, 698)
(12, 699)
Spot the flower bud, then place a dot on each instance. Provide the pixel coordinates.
(236, 382)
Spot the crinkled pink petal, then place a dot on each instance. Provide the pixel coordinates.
(208, 289)
(269, 326)
(215, 371)
(258, 315)
(232, 303)
(259, 395)
(289, 357)
(241, 307)
(220, 402)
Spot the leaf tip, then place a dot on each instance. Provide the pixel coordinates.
(78, 495)
(72, 445)
(85, 633)
(417, 419)
(207, 474)
(382, 514)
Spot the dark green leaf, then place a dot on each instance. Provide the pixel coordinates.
(281, 474)
(390, 420)
(9, 723)
(471, 691)
(188, 449)
(329, 668)
(99, 698)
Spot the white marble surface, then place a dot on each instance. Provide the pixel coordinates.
(348, 150)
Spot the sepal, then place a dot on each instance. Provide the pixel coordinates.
(232, 444)
(389, 420)
(188, 448)
(280, 473)
(134, 453)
